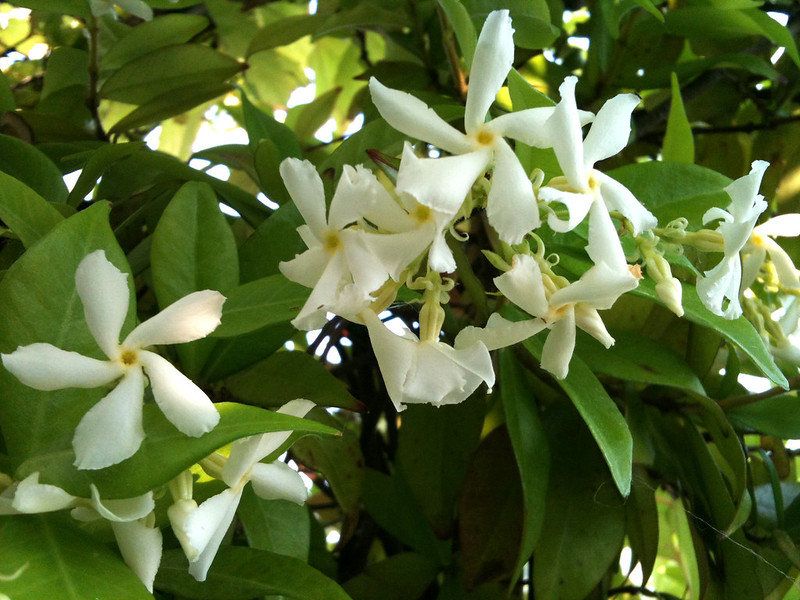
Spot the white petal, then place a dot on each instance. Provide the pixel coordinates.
(498, 333)
(599, 287)
(367, 270)
(784, 267)
(177, 513)
(559, 346)
(396, 251)
(183, 403)
(188, 319)
(140, 547)
(577, 205)
(411, 116)
(440, 183)
(714, 213)
(394, 355)
(617, 197)
(526, 126)
(564, 130)
(34, 497)
(440, 257)
(325, 294)
(671, 292)
(588, 319)
(744, 192)
(248, 451)
(305, 187)
(604, 244)
(493, 58)
(306, 268)
(104, 292)
(206, 526)
(751, 264)
(511, 206)
(610, 130)
(781, 226)
(45, 367)
(123, 510)
(278, 481)
(112, 429)
(721, 284)
(523, 285)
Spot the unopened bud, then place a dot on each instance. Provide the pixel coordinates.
(671, 292)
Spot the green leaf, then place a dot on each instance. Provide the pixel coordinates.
(7, 102)
(76, 8)
(261, 126)
(164, 30)
(524, 95)
(641, 521)
(531, 449)
(66, 68)
(463, 28)
(39, 303)
(779, 34)
(369, 16)
(288, 375)
(400, 577)
(584, 523)
(600, 414)
(637, 358)
(98, 162)
(279, 526)
(55, 560)
(274, 241)
(193, 249)
(234, 354)
(778, 416)
(310, 117)
(262, 302)
(490, 512)
(244, 573)
(435, 445)
(26, 213)
(710, 22)
(33, 168)
(678, 140)
(285, 31)
(179, 67)
(164, 453)
(651, 8)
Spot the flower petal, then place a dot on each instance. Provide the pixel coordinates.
(326, 294)
(617, 197)
(498, 333)
(411, 116)
(784, 267)
(493, 58)
(394, 355)
(123, 510)
(526, 126)
(588, 319)
(523, 285)
(278, 481)
(248, 451)
(366, 269)
(559, 346)
(599, 287)
(207, 525)
(305, 187)
(34, 497)
(396, 251)
(511, 206)
(610, 130)
(578, 206)
(112, 429)
(185, 320)
(604, 244)
(183, 403)
(440, 257)
(104, 292)
(306, 268)
(140, 547)
(781, 226)
(719, 288)
(45, 367)
(564, 130)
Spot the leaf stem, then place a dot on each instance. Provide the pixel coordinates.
(727, 404)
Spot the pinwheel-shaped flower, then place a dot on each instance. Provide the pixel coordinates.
(719, 288)
(111, 430)
(511, 206)
(582, 185)
(200, 529)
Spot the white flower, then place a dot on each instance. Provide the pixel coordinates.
(760, 245)
(582, 185)
(112, 429)
(344, 264)
(719, 288)
(132, 519)
(427, 372)
(511, 206)
(200, 529)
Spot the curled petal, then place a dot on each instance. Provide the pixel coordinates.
(206, 526)
(326, 293)
(183, 403)
(188, 319)
(45, 367)
(366, 268)
(617, 197)
(498, 333)
(610, 130)
(306, 268)
(493, 58)
(588, 319)
(123, 510)
(305, 187)
(112, 429)
(278, 481)
(103, 290)
(511, 206)
(559, 345)
(599, 287)
(564, 130)
(578, 206)
(34, 497)
(140, 547)
(523, 285)
(719, 288)
(751, 264)
(784, 267)
(746, 201)
(440, 257)
(396, 251)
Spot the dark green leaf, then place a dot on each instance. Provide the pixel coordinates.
(279, 526)
(25, 212)
(463, 28)
(274, 241)
(778, 416)
(285, 31)
(403, 576)
(27, 164)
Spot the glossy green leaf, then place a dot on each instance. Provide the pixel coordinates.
(243, 573)
(232, 355)
(259, 303)
(285, 31)
(24, 211)
(531, 449)
(778, 416)
(7, 102)
(463, 28)
(310, 117)
(779, 34)
(288, 375)
(261, 126)
(33, 168)
(710, 22)
(369, 16)
(274, 241)
(165, 30)
(66, 68)
(98, 162)
(56, 560)
(40, 304)
(678, 140)
(164, 453)
(279, 526)
(641, 521)
(584, 522)
(180, 66)
(403, 576)
(600, 414)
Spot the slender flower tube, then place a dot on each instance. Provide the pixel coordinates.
(112, 430)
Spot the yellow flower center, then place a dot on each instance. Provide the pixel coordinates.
(484, 137)
(421, 213)
(129, 357)
(756, 239)
(331, 241)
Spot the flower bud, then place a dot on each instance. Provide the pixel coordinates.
(670, 291)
